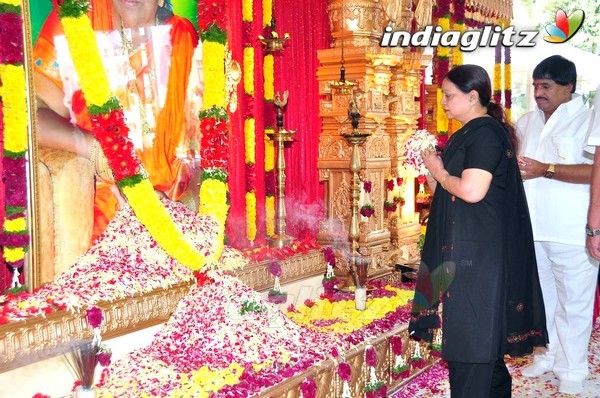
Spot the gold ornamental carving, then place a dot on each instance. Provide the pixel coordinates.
(378, 147)
(361, 19)
(342, 201)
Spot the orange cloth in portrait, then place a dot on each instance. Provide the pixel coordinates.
(160, 160)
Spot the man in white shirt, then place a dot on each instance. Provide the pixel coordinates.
(593, 225)
(556, 174)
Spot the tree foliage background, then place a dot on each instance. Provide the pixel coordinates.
(588, 36)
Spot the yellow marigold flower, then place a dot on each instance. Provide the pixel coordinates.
(249, 70)
(87, 61)
(250, 139)
(213, 64)
(267, 12)
(251, 216)
(15, 225)
(270, 214)
(269, 151)
(247, 14)
(13, 93)
(11, 2)
(497, 77)
(153, 215)
(269, 73)
(14, 254)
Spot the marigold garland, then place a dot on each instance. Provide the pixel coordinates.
(249, 70)
(267, 12)
(269, 115)
(268, 68)
(13, 130)
(507, 83)
(213, 124)
(109, 128)
(249, 123)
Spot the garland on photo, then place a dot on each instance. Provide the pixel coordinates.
(13, 129)
(249, 120)
(458, 24)
(111, 131)
(214, 200)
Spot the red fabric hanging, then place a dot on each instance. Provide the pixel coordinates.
(296, 71)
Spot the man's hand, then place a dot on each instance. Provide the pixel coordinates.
(593, 245)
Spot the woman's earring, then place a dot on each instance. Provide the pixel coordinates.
(161, 3)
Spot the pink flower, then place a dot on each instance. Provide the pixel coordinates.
(308, 388)
(329, 255)
(104, 358)
(399, 181)
(396, 343)
(275, 268)
(367, 186)
(389, 185)
(95, 317)
(371, 356)
(345, 371)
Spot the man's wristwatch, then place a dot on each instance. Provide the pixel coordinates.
(591, 232)
(550, 172)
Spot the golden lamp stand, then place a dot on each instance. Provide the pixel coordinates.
(355, 138)
(280, 136)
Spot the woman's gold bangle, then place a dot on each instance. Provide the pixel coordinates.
(443, 180)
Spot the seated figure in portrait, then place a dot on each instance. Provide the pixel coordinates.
(152, 58)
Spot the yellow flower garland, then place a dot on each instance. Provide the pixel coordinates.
(441, 118)
(251, 215)
(15, 225)
(141, 196)
(247, 10)
(268, 70)
(443, 51)
(270, 214)
(213, 64)
(250, 138)
(13, 94)
(249, 70)
(269, 151)
(12, 2)
(267, 12)
(205, 381)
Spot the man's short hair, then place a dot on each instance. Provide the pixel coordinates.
(559, 69)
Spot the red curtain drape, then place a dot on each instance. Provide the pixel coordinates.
(295, 71)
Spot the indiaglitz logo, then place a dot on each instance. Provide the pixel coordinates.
(564, 26)
(489, 36)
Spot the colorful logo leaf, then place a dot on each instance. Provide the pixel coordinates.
(564, 27)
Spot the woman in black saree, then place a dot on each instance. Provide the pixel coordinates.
(478, 257)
